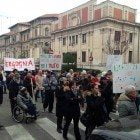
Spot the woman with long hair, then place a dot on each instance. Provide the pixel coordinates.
(95, 109)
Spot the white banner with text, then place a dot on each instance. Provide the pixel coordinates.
(113, 60)
(125, 74)
(20, 64)
(50, 62)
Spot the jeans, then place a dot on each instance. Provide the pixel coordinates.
(37, 94)
(49, 100)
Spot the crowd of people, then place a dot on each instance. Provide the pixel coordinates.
(73, 91)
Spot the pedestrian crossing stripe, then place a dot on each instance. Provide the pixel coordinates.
(81, 126)
(18, 132)
(50, 128)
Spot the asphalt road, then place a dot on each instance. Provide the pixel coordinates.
(43, 129)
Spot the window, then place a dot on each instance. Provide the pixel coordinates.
(36, 33)
(116, 52)
(69, 40)
(84, 38)
(46, 31)
(83, 56)
(130, 37)
(73, 40)
(117, 36)
(130, 57)
(23, 37)
(27, 36)
(125, 15)
(76, 41)
(13, 39)
(64, 41)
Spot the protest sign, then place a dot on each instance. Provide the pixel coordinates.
(112, 60)
(20, 64)
(50, 62)
(125, 74)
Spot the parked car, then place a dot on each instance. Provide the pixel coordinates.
(127, 128)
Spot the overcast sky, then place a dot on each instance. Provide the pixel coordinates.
(13, 11)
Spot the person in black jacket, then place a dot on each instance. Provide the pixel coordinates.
(14, 87)
(60, 105)
(9, 78)
(95, 109)
(1, 88)
(107, 94)
(28, 83)
(1, 92)
(72, 110)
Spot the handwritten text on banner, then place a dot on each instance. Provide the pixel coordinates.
(125, 74)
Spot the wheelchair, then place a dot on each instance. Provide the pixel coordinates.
(20, 115)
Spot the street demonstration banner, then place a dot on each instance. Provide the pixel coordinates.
(125, 74)
(112, 60)
(20, 64)
(50, 62)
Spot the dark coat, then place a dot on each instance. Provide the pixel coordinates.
(8, 80)
(72, 108)
(108, 96)
(60, 101)
(96, 110)
(1, 91)
(27, 83)
(13, 89)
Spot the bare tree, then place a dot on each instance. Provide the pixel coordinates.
(117, 47)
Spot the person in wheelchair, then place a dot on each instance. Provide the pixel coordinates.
(25, 101)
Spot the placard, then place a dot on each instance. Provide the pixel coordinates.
(50, 62)
(125, 74)
(20, 64)
(112, 60)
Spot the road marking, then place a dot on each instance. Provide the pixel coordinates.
(50, 128)
(81, 126)
(18, 132)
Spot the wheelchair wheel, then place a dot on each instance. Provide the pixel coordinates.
(18, 114)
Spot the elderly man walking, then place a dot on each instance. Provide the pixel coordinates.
(126, 102)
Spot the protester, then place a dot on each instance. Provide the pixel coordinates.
(24, 101)
(72, 110)
(95, 78)
(1, 92)
(39, 85)
(9, 78)
(24, 74)
(14, 87)
(50, 84)
(107, 94)
(96, 109)
(126, 102)
(28, 83)
(60, 105)
(1, 88)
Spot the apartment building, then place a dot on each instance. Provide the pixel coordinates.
(28, 39)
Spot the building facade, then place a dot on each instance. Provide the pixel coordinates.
(87, 29)
(28, 39)
(90, 31)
